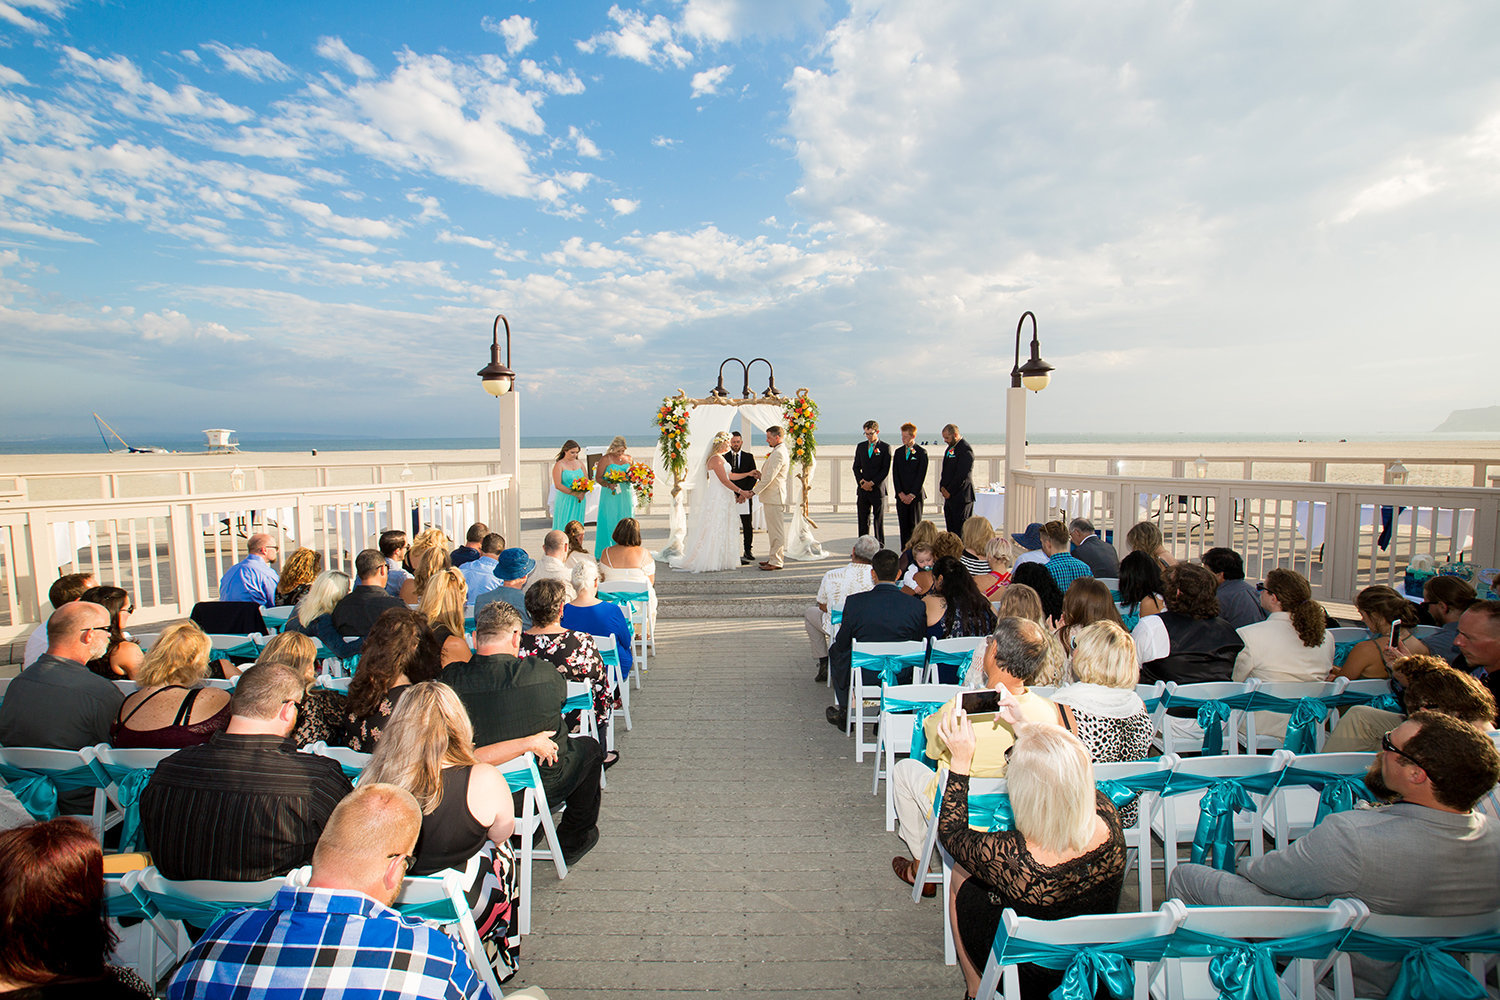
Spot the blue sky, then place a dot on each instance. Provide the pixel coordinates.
(304, 217)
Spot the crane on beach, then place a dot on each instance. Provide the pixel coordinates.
(127, 446)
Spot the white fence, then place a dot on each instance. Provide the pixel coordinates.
(169, 552)
(1341, 537)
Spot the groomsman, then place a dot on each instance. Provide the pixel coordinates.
(741, 465)
(957, 481)
(909, 475)
(872, 463)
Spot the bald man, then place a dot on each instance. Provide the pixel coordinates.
(253, 578)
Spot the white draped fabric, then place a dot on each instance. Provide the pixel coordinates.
(800, 543)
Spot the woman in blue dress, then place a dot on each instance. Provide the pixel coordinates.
(616, 501)
(567, 505)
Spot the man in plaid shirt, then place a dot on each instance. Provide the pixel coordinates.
(1064, 566)
(338, 936)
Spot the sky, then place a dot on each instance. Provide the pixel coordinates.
(1273, 217)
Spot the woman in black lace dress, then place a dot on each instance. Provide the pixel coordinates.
(1065, 857)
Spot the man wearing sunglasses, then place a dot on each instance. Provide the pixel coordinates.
(1427, 854)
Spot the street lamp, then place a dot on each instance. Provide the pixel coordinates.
(1396, 473)
(1035, 374)
(498, 378)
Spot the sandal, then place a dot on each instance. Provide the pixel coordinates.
(611, 758)
(906, 871)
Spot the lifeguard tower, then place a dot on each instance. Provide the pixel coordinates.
(220, 441)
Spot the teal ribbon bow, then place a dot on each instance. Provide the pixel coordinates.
(887, 666)
(1085, 968)
(1246, 970)
(38, 790)
(246, 650)
(921, 712)
(1336, 792)
(950, 657)
(628, 599)
(1341, 651)
(991, 812)
(1306, 716)
(1211, 718)
(579, 702)
(129, 783)
(1387, 703)
(1428, 971)
(1222, 799)
(1123, 791)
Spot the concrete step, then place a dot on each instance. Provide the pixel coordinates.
(732, 606)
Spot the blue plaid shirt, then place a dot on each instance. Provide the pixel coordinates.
(315, 943)
(1066, 568)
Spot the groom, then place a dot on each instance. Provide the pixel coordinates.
(772, 492)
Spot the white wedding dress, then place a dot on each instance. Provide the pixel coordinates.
(713, 535)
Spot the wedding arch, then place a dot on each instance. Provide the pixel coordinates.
(682, 420)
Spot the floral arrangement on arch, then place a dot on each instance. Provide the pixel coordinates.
(801, 428)
(672, 419)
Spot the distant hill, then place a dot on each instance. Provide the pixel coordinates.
(1485, 418)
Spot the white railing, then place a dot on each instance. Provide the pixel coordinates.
(1342, 537)
(169, 552)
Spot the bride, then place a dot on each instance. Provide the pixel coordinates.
(713, 530)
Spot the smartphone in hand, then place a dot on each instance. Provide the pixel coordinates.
(981, 702)
(1395, 637)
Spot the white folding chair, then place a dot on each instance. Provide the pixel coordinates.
(1187, 964)
(944, 651)
(1181, 735)
(977, 787)
(78, 764)
(859, 694)
(332, 683)
(894, 730)
(1177, 814)
(1294, 808)
(200, 902)
(635, 600)
(1100, 931)
(352, 761)
(243, 646)
(140, 929)
(609, 651)
(522, 775)
(1421, 930)
(117, 763)
(1290, 691)
(1138, 836)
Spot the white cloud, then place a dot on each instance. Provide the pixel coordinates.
(431, 207)
(334, 50)
(592, 255)
(558, 83)
(257, 64)
(9, 12)
(172, 326)
(719, 21)
(517, 31)
(141, 98)
(663, 142)
(447, 236)
(11, 78)
(321, 215)
(349, 246)
(707, 82)
(583, 144)
(43, 230)
(651, 41)
(624, 206)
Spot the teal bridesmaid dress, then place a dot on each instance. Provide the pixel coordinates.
(613, 508)
(569, 505)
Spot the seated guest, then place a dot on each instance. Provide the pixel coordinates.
(426, 563)
(1418, 857)
(467, 811)
(246, 805)
(1065, 856)
(473, 546)
(1140, 589)
(509, 698)
(400, 651)
(578, 553)
(955, 609)
(1378, 607)
(922, 534)
(918, 579)
(835, 588)
(1429, 685)
(321, 716)
(1447, 598)
(1146, 537)
(1044, 583)
(976, 538)
(1030, 544)
(354, 615)
(552, 564)
(586, 613)
(573, 653)
(314, 614)
(479, 574)
(1086, 602)
(442, 605)
(253, 578)
(297, 575)
(1101, 708)
(627, 562)
(511, 570)
(393, 547)
(64, 590)
(1100, 556)
(337, 936)
(1292, 644)
(1239, 603)
(880, 614)
(1012, 657)
(1020, 601)
(57, 940)
(122, 658)
(1189, 642)
(1064, 567)
(173, 707)
(997, 557)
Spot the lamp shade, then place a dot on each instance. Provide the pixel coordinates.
(497, 384)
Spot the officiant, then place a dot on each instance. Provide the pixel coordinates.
(741, 468)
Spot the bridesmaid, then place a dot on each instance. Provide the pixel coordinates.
(613, 506)
(567, 505)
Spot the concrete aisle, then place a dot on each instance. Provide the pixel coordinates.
(742, 853)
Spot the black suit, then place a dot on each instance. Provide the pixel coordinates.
(873, 467)
(739, 468)
(883, 614)
(909, 474)
(958, 480)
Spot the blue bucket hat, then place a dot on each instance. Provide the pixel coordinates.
(1030, 539)
(514, 564)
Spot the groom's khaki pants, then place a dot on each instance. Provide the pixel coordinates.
(776, 533)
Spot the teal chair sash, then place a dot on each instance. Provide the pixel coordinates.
(38, 790)
(949, 657)
(628, 599)
(1123, 791)
(991, 812)
(1341, 651)
(1211, 718)
(435, 910)
(1306, 715)
(1085, 968)
(129, 783)
(1428, 971)
(582, 701)
(246, 650)
(1223, 798)
(1246, 970)
(125, 905)
(611, 657)
(276, 619)
(921, 711)
(1386, 703)
(519, 779)
(1337, 792)
(887, 666)
(196, 912)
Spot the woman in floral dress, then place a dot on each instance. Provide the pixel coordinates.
(574, 653)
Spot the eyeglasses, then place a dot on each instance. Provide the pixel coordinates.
(93, 628)
(1389, 747)
(1260, 588)
(407, 859)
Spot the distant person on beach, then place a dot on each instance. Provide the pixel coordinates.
(66, 588)
(1239, 603)
(354, 615)
(872, 465)
(909, 476)
(253, 578)
(472, 546)
(957, 481)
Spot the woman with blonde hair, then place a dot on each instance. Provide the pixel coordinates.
(298, 571)
(977, 532)
(1064, 856)
(468, 814)
(567, 468)
(1101, 707)
(173, 708)
(997, 557)
(1146, 537)
(314, 614)
(321, 714)
(426, 563)
(616, 500)
(443, 601)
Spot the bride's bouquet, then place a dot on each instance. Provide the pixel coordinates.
(582, 486)
(643, 479)
(615, 478)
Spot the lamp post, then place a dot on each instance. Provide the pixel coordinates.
(1035, 374)
(499, 381)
